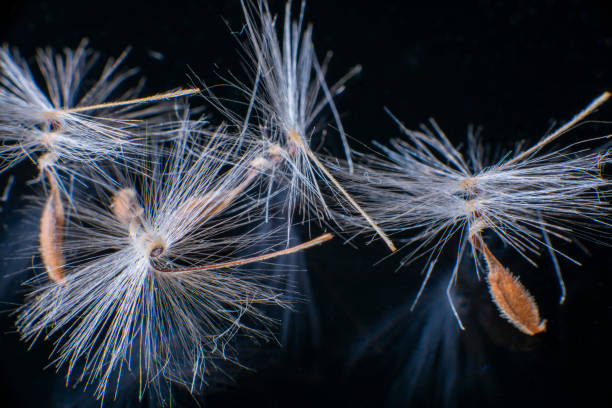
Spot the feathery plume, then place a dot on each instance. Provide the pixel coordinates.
(153, 280)
(72, 120)
(288, 93)
(427, 188)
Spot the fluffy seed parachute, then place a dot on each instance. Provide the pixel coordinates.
(153, 279)
(285, 100)
(426, 187)
(80, 119)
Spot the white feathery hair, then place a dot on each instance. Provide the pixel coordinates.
(287, 96)
(133, 297)
(423, 188)
(285, 99)
(70, 119)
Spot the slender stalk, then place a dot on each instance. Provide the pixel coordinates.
(583, 114)
(308, 244)
(297, 140)
(153, 98)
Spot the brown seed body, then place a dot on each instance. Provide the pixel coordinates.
(125, 206)
(203, 207)
(515, 303)
(207, 206)
(511, 298)
(51, 224)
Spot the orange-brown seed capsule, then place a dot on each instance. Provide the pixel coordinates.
(512, 299)
(125, 206)
(207, 206)
(204, 207)
(50, 237)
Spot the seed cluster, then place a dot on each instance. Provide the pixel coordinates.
(162, 231)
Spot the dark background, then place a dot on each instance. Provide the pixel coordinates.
(514, 68)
